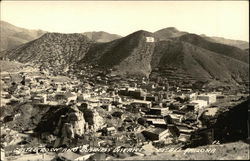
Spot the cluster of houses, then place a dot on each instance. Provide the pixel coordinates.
(163, 113)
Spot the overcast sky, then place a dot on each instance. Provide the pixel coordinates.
(227, 19)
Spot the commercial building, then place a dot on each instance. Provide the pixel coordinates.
(156, 133)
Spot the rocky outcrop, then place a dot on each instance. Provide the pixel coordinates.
(98, 121)
(71, 125)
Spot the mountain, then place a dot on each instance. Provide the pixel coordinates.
(167, 33)
(101, 36)
(172, 32)
(52, 50)
(12, 36)
(223, 49)
(179, 57)
(237, 43)
(180, 60)
(187, 57)
(130, 54)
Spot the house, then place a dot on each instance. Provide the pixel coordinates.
(93, 102)
(106, 100)
(40, 98)
(117, 98)
(157, 122)
(184, 138)
(184, 129)
(192, 96)
(156, 133)
(24, 91)
(4, 86)
(107, 107)
(192, 106)
(141, 103)
(2, 156)
(186, 90)
(158, 111)
(66, 97)
(150, 97)
(176, 117)
(210, 98)
(211, 112)
(83, 96)
(200, 103)
(5, 94)
(109, 131)
(133, 92)
(27, 80)
(6, 79)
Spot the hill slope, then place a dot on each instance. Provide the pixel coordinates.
(237, 43)
(185, 57)
(12, 36)
(167, 33)
(130, 54)
(53, 50)
(182, 61)
(101, 36)
(226, 50)
(178, 58)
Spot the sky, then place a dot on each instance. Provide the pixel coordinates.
(229, 19)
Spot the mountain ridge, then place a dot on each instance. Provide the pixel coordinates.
(13, 36)
(185, 57)
(101, 36)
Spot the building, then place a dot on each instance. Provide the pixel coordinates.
(158, 111)
(157, 122)
(106, 100)
(150, 97)
(117, 98)
(210, 98)
(83, 97)
(156, 133)
(6, 79)
(66, 97)
(192, 106)
(40, 98)
(141, 103)
(2, 156)
(133, 92)
(176, 117)
(184, 129)
(184, 138)
(109, 131)
(192, 96)
(107, 107)
(200, 103)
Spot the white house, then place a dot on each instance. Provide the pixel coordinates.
(201, 103)
(210, 98)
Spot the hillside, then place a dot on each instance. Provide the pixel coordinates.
(226, 50)
(187, 57)
(183, 61)
(128, 55)
(53, 50)
(167, 33)
(12, 36)
(101, 36)
(174, 59)
(237, 43)
(7, 66)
